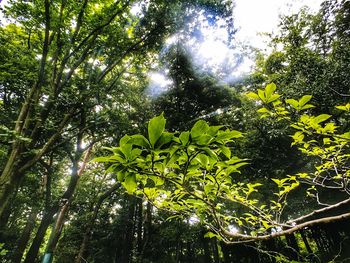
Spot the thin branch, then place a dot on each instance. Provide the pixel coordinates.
(48, 144)
(249, 238)
(316, 212)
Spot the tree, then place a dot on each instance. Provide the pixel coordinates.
(77, 80)
(193, 93)
(65, 50)
(198, 168)
(310, 55)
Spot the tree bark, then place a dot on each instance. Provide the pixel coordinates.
(68, 199)
(139, 227)
(147, 233)
(124, 249)
(25, 236)
(40, 234)
(55, 234)
(306, 242)
(9, 179)
(93, 220)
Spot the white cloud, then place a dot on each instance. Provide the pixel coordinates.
(255, 16)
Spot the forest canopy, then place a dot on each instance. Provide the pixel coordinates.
(121, 141)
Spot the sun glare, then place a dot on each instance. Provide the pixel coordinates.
(215, 52)
(209, 47)
(158, 83)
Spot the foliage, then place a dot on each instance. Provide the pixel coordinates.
(310, 55)
(73, 77)
(192, 172)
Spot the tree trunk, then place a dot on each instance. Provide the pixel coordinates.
(23, 241)
(40, 234)
(293, 246)
(124, 252)
(215, 250)
(55, 234)
(207, 257)
(92, 222)
(147, 233)
(68, 198)
(5, 218)
(8, 182)
(139, 228)
(306, 242)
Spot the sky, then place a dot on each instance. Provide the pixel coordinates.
(254, 16)
(251, 17)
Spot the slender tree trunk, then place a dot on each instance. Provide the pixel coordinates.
(306, 242)
(23, 241)
(8, 181)
(125, 246)
(69, 196)
(90, 227)
(40, 234)
(139, 226)
(207, 257)
(215, 250)
(5, 217)
(293, 245)
(55, 234)
(147, 234)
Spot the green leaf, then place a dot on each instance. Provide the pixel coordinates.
(270, 88)
(253, 96)
(293, 103)
(135, 153)
(228, 135)
(263, 110)
(139, 140)
(102, 159)
(208, 188)
(165, 138)
(130, 183)
(210, 235)
(273, 98)
(203, 139)
(184, 137)
(225, 150)
(261, 94)
(124, 140)
(199, 128)
(211, 153)
(307, 106)
(213, 130)
(346, 135)
(277, 181)
(156, 127)
(344, 107)
(265, 224)
(305, 99)
(321, 118)
(126, 150)
(121, 175)
(203, 159)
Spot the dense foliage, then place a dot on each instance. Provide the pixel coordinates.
(244, 172)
